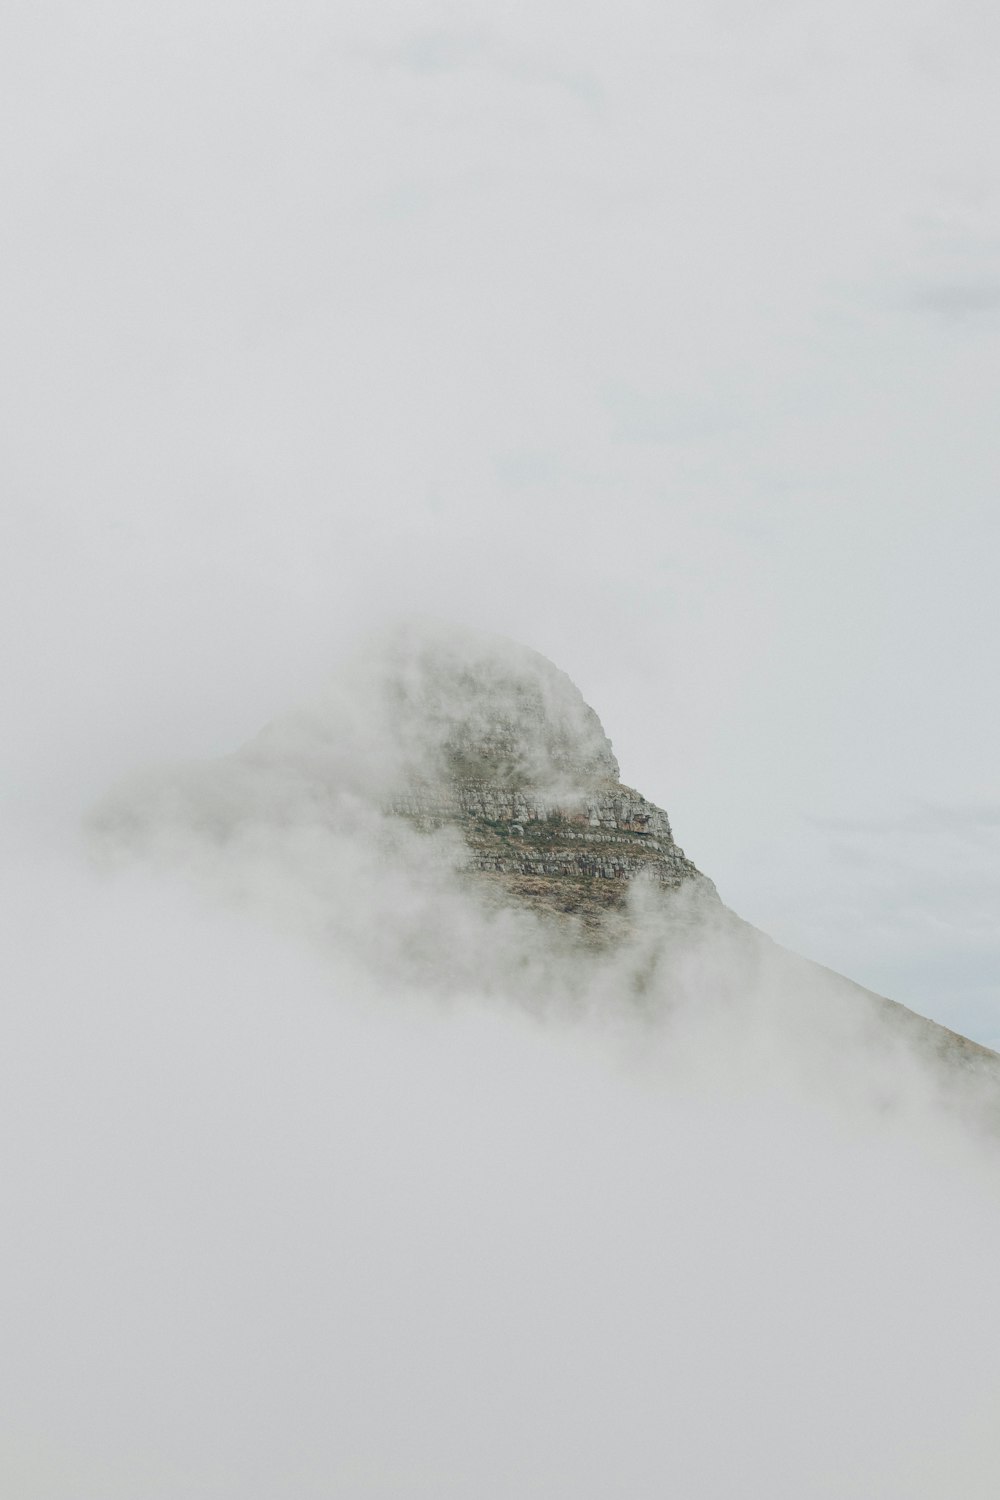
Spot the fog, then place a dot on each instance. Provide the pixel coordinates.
(662, 340)
(325, 1177)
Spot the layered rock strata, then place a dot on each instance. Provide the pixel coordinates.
(517, 760)
(595, 844)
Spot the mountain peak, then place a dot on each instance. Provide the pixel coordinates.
(494, 709)
(502, 745)
(446, 778)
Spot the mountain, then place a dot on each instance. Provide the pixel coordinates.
(450, 807)
(512, 756)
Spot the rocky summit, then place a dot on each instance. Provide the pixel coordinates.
(512, 756)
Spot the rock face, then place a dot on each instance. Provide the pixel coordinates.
(511, 755)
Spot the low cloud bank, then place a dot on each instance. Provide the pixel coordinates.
(327, 1179)
(282, 1227)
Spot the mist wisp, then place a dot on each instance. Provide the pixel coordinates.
(334, 1173)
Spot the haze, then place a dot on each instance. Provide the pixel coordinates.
(665, 342)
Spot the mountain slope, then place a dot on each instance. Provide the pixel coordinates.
(451, 807)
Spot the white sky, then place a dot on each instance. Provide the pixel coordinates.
(661, 338)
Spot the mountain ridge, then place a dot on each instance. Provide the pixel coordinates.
(474, 769)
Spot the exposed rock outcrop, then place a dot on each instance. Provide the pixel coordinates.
(517, 760)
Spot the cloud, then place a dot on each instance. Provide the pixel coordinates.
(959, 300)
(326, 1175)
(289, 1217)
(306, 1194)
(964, 822)
(500, 56)
(436, 51)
